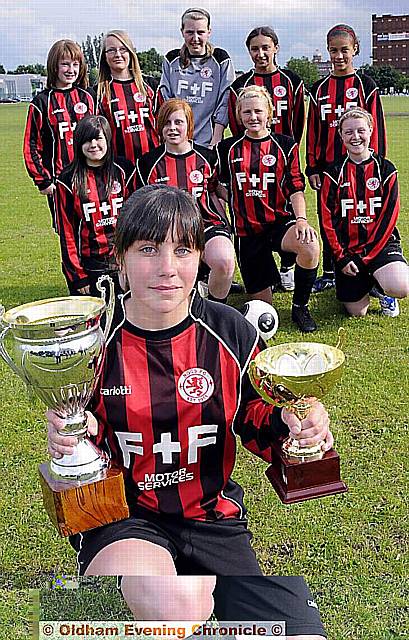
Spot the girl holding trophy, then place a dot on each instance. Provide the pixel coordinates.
(90, 194)
(172, 396)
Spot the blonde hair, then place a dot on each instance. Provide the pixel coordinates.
(355, 113)
(105, 76)
(194, 13)
(66, 49)
(254, 91)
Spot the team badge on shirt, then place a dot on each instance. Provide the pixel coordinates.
(116, 187)
(269, 160)
(80, 108)
(372, 184)
(280, 91)
(196, 176)
(195, 385)
(351, 93)
(206, 72)
(138, 97)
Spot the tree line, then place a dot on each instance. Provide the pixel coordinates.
(150, 61)
(386, 77)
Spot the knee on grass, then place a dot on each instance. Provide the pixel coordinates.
(169, 597)
(355, 310)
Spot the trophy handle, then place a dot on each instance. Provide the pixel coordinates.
(341, 338)
(103, 283)
(4, 354)
(258, 382)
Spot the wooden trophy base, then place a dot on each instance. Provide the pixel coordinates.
(74, 508)
(295, 481)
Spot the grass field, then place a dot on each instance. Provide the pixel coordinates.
(353, 548)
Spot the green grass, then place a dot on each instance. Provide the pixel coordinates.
(351, 548)
(395, 104)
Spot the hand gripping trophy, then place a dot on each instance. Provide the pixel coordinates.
(57, 347)
(293, 375)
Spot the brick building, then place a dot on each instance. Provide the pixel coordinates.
(390, 41)
(324, 66)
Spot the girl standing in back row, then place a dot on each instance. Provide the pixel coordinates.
(126, 97)
(53, 115)
(286, 90)
(329, 99)
(200, 74)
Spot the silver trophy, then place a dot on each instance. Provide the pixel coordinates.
(57, 347)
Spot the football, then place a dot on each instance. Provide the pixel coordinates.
(262, 316)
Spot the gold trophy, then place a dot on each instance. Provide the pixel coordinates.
(293, 375)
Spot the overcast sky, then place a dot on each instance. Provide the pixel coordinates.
(28, 28)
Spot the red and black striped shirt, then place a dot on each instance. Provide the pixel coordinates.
(131, 117)
(359, 207)
(52, 117)
(193, 171)
(87, 226)
(287, 94)
(260, 175)
(329, 99)
(169, 405)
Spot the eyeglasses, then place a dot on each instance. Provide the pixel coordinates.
(112, 51)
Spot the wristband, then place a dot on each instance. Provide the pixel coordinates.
(300, 218)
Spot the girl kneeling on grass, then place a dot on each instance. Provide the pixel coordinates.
(90, 194)
(266, 197)
(184, 360)
(182, 163)
(360, 208)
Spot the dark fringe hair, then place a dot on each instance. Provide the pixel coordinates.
(195, 14)
(151, 212)
(268, 32)
(86, 130)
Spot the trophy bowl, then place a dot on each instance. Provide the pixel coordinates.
(294, 375)
(57, 347)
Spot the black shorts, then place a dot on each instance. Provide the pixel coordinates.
(255, 259)
(198, 548)
(269, 598)
(354, 288)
